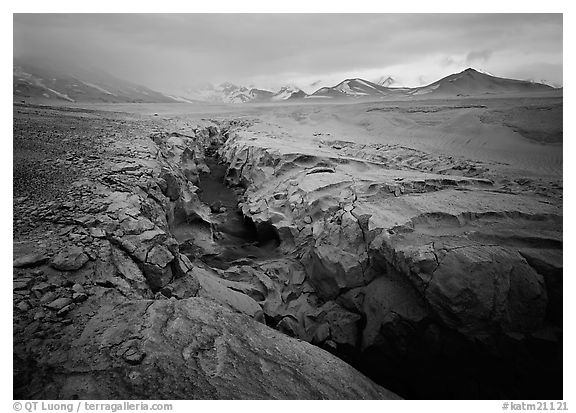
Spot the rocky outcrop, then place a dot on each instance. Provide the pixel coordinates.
(429, 274)
(111, 308)
(401, 250)
(195, 349)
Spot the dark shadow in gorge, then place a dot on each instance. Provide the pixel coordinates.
(416, 366)
(463, 369)
(236, 236)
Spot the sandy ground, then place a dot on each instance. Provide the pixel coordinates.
(517, 136)
(473, 179)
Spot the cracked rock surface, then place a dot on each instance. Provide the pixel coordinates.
(105, 304)
(165, 258)
(423, 257)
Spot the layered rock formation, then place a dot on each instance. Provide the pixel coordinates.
(110, 308)
(406, 256)
(193, 349)
(432, 275)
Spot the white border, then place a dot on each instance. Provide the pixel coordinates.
(493, 6)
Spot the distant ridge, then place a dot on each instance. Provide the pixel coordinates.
(42, 81)
(472, 82)
(469, 82)
(45, 80)
(386, 81)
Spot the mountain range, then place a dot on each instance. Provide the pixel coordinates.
(230, 93)
(41, 81)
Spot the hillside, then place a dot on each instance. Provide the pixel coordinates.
(53, 82)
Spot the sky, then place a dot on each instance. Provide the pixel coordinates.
(169, 52)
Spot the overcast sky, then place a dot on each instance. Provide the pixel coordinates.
(169, 51)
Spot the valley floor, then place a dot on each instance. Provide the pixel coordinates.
(243, 251)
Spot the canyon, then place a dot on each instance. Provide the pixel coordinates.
(289, 251)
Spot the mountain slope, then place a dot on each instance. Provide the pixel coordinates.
(230, 93)
(49, 81)
(359, 89)
(469, 82)
(352, 88)
(385, 81)
(225, 93)
(260, 95)
(473, 82)
(288, 92)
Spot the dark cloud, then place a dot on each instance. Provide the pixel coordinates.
(167, 50)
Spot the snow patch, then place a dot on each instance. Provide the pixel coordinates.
(180, 99)
(285, 93)
(366, 84)
(62, 95)
(101, 89)
(345, 88)
(485, 72)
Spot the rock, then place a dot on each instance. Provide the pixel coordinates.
(136, 226)
(172, 187)
(38, 315)
(79, 297)
(212, 287)
(321, 334)
(216, 207)
(344, 325)
(66, 230)
(133, 356)
(393, 310)
(159, 255)
(426, 256)
(194, 349)
(59, 303)
(21, 284)
(157, 277)
(97, 232)
(30, 260)
(130, 271)
(167, 291)
(477, 287)
(212, 131)
(69, 259)
(48, 297)
(41, 288)
(288, 326)
(181, 265)
(185, 287)
(64, 310)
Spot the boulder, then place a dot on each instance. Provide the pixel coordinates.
(172, 185)
(194, 349)
(69, 259)
(476, 287)
(30, 260)
(214, 288)
(59, 303)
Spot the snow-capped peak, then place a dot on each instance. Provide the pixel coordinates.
(385, 81)
(485, 72)
(286, 92)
